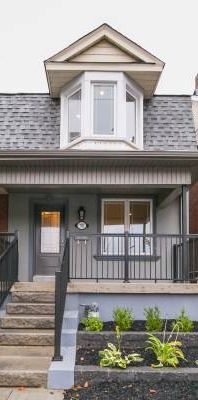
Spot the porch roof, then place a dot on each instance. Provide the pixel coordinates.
(124, 158)
(64, 167)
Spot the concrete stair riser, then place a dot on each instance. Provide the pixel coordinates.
(26, 338)
(31, 297)
(30, 308)
(27, 322)
(23, 378)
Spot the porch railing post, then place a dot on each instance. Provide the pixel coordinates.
(126, 256)
(184, 233)
(58, 307)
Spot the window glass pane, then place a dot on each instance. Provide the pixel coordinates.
(140, 222)
(113, 217)
(74, 115)
(103, 109)
(50, 231)
(130, 117)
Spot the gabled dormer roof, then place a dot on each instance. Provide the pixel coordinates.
(104, 49)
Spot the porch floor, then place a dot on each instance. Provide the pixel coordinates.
(111, 287)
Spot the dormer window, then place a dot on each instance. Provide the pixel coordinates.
(101, 107)
(74, 115)
(130, 117)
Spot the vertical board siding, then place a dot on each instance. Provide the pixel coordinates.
(93, 176)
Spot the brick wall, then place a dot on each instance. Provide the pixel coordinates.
(193, 209)
(3, 212)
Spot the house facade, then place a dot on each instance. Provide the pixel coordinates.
(95, 179)
(103, 145)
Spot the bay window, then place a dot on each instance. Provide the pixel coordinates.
(130, 117)
(103, 109)
(74, 115)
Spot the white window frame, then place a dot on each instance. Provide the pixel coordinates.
(127, 210)
(105, 83)
(85, 82)
(67, 112)
(126, 202)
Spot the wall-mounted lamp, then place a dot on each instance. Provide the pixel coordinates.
(81, 224)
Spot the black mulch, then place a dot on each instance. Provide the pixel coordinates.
(138, 326)
(89, 356)
(135, 391)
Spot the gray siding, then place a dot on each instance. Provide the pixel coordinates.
(93, 176)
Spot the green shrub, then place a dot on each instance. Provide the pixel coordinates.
(186, 324)
(123, 318)
(154, 323)
(112, 356)
(167, 352)
(92, 324)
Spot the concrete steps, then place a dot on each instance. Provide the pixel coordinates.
(24, 371)
(27, 335)
(27, 322)
(30, 308)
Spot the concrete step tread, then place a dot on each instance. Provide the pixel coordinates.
(23, 331)
(27, 317)
(24, 363)
(33, 287)
(26, 351)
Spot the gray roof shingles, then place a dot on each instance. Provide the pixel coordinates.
(32, 121)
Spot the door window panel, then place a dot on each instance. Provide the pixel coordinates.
(113, 223)
(50, 231)
(103, 109)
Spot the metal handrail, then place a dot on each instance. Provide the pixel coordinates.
(61, 282)
(8, 263)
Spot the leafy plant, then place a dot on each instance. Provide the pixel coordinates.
(167, 351)
(154, 323)
(92, 324)
(123, 318)
(112, 356)
(185, 322)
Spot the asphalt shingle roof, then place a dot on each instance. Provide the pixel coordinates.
(32, 121)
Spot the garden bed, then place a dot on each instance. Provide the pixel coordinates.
(138, 326)
(90, 356)
(137, 391)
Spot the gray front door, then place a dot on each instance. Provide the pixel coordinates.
(49, 238)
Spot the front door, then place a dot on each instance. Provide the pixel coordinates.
(49, 238)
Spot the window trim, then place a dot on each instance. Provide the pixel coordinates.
(126, 209)
(84, 82)
(126, 215)
(76, 90)
(128, 90)
(104, 83)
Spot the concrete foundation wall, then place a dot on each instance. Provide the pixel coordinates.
(170, 305)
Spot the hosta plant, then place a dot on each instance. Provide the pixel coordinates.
(112, 356)
(185, 322)
(154, 323)
(123, 318)
(167, 351)
(92, 324)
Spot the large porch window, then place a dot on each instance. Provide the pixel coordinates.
(132, 215)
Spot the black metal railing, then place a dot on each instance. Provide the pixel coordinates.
(61, 282)
(8, 263)
(128, 257)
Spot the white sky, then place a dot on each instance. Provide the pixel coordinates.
(33, 30)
